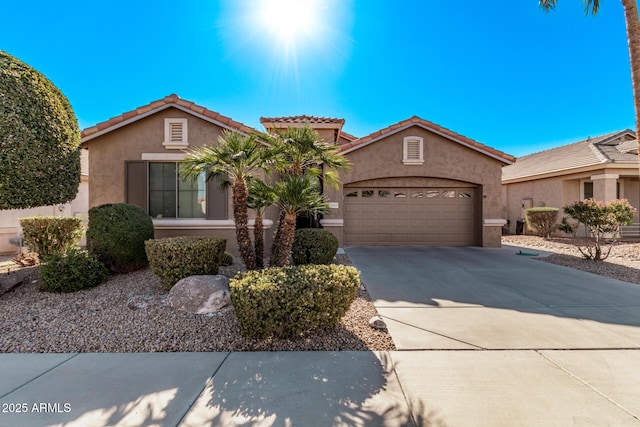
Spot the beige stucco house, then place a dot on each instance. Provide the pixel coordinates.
(604, 168)
(413, 183)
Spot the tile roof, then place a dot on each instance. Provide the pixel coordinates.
(415, 120)
(171, 100)
(302, 120)
(589, 152)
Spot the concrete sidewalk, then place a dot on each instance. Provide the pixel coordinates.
(402, 388)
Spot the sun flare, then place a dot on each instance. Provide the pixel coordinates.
(290, 20)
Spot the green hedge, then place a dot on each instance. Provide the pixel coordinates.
(116, 235)
(285, 302)
(174, 258)
(72, 272)
(39, 139)
(48, 235)
(542, 220)
(313, 246)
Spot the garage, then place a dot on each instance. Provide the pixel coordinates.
(410, 216)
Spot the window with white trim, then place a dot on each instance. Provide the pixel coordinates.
(412, 150)
(175, 134)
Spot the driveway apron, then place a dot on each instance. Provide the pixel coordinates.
(477, 298)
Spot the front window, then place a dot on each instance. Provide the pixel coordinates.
(171, 196)
(588, 190)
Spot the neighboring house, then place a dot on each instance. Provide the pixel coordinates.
(413, 183)
(10, 230)
(604, 168)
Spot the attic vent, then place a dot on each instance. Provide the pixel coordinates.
(412, 152)
(175, 134)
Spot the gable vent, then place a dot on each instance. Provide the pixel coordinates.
(413, 150)
(175, 134)
(175, 131)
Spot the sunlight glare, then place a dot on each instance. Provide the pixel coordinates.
(289, 20)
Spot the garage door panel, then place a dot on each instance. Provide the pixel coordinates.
(415, 216)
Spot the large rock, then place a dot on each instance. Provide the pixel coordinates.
(200, 294)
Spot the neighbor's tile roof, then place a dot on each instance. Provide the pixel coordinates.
(302, 120)
(173, 99)
(588, 152)
(415, 120)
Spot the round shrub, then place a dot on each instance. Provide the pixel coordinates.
(174, 258)
(313, 246)
(116, 235)
(39, 139)
(226, 259)
(72, 272)
(285, 302)
(48, 235)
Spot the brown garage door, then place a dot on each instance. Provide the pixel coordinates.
(409, 216)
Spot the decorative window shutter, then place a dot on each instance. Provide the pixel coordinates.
(175, 132)
(136, 183)
(216, 200)
(413, 150)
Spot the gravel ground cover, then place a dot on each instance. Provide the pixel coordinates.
(129, 313)
(622, 264)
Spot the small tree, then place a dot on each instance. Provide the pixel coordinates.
(542, 220)
(601, 225)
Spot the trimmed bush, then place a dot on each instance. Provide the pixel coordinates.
(226, 259)
(174, 258)
(542, 220)
(39, 139)
(116, 235)
(49, 235)
(285, 302)
(314, 246)
(72, 272)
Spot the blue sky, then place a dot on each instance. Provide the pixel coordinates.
(511, 77)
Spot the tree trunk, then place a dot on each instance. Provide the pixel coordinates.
(287, 235)
(633, 38)
(277, 237)
(258, 242)
(240, 217)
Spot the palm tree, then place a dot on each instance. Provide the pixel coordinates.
(296, 194)
(633, 40)
(238, 158)
(261, 196)
(300, 151)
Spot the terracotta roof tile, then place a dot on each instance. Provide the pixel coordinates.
(429, 125)
(167, 100)
(301, 120)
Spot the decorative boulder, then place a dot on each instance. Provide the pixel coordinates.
(200, 294)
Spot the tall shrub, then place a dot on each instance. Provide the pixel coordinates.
(116, 235)
(39, 139)
(48, 235)
(601, 224)
(542, 220)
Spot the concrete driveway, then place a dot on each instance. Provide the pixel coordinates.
(488, 337)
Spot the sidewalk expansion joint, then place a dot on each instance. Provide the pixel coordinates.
(209, 380)
(38, 376)
(577, 378)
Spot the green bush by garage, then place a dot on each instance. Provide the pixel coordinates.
(174, 258)
(313, 246)
(285, 302)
